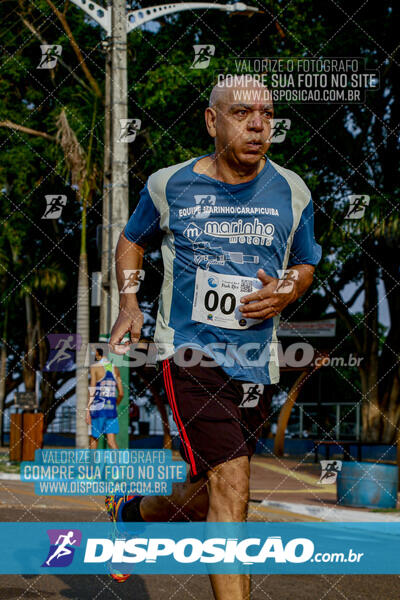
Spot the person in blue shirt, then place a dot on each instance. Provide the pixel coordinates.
(237, 246)
(105, 393)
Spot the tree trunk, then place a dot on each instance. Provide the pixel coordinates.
(82, 322)
(391, 419)
(290, 401)
(47, 401)
(28, 363)
(389, 369)
(3, 374)
(286, 410)
(371, 411)
(49, 380)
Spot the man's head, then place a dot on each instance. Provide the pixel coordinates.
(239, 118)
(99, 353)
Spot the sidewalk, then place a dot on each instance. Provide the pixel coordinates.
(286, 489)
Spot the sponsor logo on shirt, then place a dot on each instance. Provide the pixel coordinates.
(192, 232)
(239, 232)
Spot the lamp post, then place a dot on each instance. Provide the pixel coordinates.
(117, 22)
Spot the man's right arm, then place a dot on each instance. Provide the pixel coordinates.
(143, 225)
(128, 256)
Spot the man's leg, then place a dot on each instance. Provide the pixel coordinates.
(228, 485)
(93, 442)
(188, 502)
(112, 441)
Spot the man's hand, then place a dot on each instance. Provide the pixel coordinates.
(273, 297)
(88, 417)
(128, 257)
(130, 320)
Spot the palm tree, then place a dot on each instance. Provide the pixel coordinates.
(83, 178)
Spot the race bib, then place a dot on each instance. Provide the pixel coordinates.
(216, 299)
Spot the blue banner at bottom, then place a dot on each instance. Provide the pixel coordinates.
(200, 548)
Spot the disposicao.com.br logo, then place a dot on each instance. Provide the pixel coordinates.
(62, 547)
(212, 550)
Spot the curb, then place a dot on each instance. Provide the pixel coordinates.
(333, 514)
(10, 476)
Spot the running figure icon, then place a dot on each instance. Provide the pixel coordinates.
(62, 549)
(64, 347)
(54, 206)
(329, 471)
(279, 128)
(50, 55)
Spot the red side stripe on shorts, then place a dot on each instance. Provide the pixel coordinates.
(170, 389)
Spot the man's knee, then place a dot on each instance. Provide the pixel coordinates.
(229, 490)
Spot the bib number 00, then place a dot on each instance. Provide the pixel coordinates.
(217, 296)
(227, 302)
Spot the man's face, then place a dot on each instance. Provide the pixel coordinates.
(98, 356)
(241, 124)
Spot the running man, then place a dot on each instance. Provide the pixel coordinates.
(227, 312)
(101, 413)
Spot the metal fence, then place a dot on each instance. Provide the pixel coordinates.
(337, 420)
(308, 419)
(64, 422)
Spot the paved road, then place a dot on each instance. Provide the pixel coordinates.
(278, 480)
(197, 587)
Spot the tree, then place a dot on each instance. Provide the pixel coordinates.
(363, 159)
(32, 167)
(83, 179)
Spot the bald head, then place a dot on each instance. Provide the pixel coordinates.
(239, 88)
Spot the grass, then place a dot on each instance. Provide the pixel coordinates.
(386, 510)
(8, 466)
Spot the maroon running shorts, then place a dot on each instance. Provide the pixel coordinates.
(218, 418)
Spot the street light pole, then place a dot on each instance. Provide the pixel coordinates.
(105, 317)
(119, 148)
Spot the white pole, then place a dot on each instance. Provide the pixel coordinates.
(119, 149)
